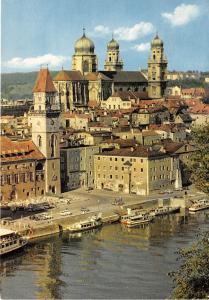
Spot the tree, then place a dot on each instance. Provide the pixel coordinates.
(192, 278)
(200, 158)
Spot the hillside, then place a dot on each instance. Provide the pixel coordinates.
(19, 85)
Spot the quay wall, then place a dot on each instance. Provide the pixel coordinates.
(60, 225)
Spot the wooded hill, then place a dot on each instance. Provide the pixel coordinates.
(19, 85)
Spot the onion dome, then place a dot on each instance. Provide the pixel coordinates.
(157, 42)
(113, 45)
(84, 45)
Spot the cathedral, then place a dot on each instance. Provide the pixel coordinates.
(84, 85)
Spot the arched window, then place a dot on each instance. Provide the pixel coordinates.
(53, 144)
(109, 58)
(86, 66)
(39, 141)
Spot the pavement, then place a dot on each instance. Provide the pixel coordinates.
(95, 201)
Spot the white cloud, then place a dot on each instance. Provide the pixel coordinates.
(100, 29)
(125, 33)
(133, 33)
(37, 61)
(142, 47)
(182, 14)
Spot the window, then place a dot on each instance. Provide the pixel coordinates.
(98, 158)
(141, 160)
(16, 178)
(142, 170)
(116, 159)
(116, 168)
(53, 144)
(39, 141)
(110, 176)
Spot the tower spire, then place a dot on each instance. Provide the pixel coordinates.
(84, 31)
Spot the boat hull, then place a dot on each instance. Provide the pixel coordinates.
(12, 248)
(73, 230)
(193, 210)
(138, 223)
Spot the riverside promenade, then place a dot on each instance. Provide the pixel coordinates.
(95, 202)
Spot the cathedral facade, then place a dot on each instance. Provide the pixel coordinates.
(84, 84)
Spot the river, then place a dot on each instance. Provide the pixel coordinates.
(111, 263)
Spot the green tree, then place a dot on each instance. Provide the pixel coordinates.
(192, 278)
(200, 158)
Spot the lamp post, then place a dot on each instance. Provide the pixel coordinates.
(128, 165)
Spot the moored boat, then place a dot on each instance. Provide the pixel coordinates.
(93, 222)
(200, 205)
(164, 210)
(139, 213)
(139, 220)
(10, 241)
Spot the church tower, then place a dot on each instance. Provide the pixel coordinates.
(157, 67)
(113, 61)
(84, 59)
(45, 128)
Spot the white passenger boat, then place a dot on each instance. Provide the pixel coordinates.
(200, 205)
(139, 220)
(164, 210)
(139, 213)
(10, 241)
(93, 222)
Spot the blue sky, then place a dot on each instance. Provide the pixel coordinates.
(36, 32)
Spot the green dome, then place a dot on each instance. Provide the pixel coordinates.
(84, 45)
(157, 42)
(113, 45)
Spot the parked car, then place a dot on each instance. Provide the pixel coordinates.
(65, 213)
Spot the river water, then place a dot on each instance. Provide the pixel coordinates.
(111, 263)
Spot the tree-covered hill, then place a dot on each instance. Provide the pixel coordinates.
(19, 85)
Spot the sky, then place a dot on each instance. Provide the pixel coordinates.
(40, 32)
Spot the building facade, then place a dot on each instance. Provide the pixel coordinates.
(140, 170)
(77, 167)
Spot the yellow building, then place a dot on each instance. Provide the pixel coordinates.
(119, 100)
(140, 170)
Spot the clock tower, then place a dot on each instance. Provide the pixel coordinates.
(45, 128)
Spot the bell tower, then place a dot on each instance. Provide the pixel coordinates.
(113, 61)
(84, 59)
(157, 68)
(45, 128)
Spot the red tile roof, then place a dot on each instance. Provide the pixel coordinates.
(44, 82)
(18, 150)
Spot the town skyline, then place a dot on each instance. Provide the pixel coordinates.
(182, 25)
